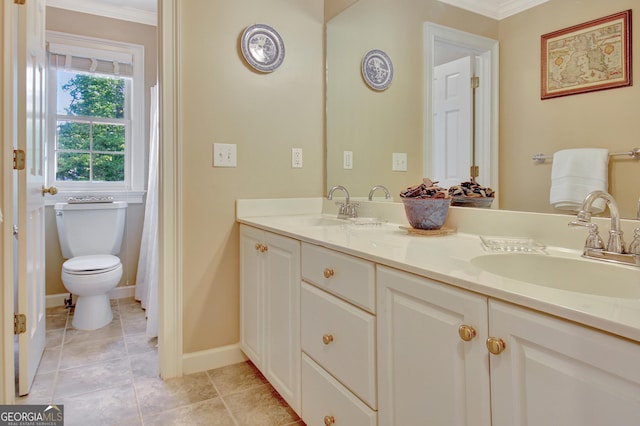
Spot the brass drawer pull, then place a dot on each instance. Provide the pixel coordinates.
(466, 332)
(328, 272)
(329, 420)
(327, 339)
(496, 345)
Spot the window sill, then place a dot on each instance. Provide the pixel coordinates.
(131, 197)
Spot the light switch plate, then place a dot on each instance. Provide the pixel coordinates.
(225, 155)
(399, 162)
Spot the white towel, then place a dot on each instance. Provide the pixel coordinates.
(577, 172)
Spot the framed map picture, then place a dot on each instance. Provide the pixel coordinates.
(592, 56)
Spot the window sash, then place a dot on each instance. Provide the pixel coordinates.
(135, 170)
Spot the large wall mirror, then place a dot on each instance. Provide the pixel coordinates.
(373, 125)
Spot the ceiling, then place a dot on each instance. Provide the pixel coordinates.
(141, 11)
(146, 11)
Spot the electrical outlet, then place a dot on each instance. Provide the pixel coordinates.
(225, 155)
(296, 158)
(399, 162)
(347, 160)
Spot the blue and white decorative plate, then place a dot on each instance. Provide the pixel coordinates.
(262, 47)
(377, 69)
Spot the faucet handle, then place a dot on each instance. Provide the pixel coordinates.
(352, 209)
(593, 239)
(634, 247)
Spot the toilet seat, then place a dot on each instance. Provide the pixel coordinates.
(91, 265)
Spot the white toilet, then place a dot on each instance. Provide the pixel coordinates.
(90, 237)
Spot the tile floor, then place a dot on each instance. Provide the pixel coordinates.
(110, 377)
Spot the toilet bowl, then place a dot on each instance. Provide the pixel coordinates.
(91, 278)
(90, 236)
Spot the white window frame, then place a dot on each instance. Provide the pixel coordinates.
(135, 147)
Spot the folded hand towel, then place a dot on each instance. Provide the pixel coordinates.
(575, 173)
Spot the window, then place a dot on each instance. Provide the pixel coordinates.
(96, 104)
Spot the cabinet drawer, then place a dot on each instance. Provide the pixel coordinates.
(341, 274)
(341, 338)
(323, 396)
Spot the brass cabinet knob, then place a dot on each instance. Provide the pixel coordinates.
(496, 345)
(466, 332)
(328, 272)
(264, 249)
(258, 246)
(52, 190)
(329, 420)
(327, 338)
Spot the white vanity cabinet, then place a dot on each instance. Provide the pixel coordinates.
(270, 308)
(338, 339)
(519, 368)
(554, 372)
(429, 375)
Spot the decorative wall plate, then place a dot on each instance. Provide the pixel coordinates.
(262, 47)
(377, 69)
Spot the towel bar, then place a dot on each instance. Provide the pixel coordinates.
(634, 153)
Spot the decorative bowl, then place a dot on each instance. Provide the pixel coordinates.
(426, 213)
(462, 201)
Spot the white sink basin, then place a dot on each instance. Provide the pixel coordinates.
(575, 275)
(308, 222)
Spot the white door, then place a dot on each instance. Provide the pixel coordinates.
(31, 236)
(554, 372)
(282, 317)
(427, 373)
(251, 277)
(452, 122)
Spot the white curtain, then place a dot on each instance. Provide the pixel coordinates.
(148, 268)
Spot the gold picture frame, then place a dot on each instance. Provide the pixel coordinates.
(595, 55)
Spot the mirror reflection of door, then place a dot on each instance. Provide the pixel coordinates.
(453, 121)
(461, 123)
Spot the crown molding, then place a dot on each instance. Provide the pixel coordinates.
(125, 13)
(496, 9)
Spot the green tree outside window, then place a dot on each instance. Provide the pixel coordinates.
(91, 135)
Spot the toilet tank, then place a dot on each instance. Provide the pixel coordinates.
(90, 228)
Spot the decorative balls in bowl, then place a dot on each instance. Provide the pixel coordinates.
(426, 205)
(471, 194)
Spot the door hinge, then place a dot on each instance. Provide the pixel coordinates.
(474, 171)
(475, 82)
(19, 323)
(19, 159)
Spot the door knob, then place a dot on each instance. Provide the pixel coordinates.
(329, 420)
(52, 190)
(328, 273)
(466, 332)
(496, 345)
(327, 339)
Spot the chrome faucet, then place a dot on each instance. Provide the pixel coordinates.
(594, 247)
(347, 209)
(375, 188)
(634, 247)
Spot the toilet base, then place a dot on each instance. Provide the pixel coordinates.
(92, 312)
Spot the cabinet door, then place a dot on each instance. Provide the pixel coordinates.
(282, 317)
(427, 374)
(553, 372)
(251, 277)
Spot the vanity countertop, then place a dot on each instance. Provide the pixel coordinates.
(447, 258)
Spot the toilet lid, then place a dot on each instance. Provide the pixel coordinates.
(91, 264)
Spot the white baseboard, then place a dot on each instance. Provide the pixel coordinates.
(209, 359)
(124, 292)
